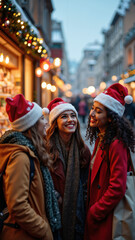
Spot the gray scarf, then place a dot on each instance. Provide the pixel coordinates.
(72, 168)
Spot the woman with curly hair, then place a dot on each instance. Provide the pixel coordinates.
(32, 205)
(70, 166)
(114, 137)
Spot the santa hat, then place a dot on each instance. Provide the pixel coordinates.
(56, 107)
(22, 113)
(115, 98)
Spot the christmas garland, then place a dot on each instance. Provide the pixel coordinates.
(11, 21)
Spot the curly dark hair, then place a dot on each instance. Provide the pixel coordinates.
(51, 142)
(118, 127)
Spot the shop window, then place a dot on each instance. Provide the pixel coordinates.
(91, 67)
(8, 88)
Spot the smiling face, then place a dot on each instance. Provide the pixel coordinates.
(67, 123)
(98, 116)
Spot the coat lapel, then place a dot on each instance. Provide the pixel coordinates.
(97, 162)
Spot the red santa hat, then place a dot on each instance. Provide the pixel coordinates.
(56, 107)
(22, 113)
(115, 98)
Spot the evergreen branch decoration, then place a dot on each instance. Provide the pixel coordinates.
(10, 20)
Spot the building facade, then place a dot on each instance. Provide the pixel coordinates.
(86, 73)
(129, 47)
(58, 50)
(113, 43)
(39, 13)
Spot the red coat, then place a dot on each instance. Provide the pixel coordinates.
(106, 187)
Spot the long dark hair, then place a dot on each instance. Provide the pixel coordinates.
(118, 127)
(51, 142)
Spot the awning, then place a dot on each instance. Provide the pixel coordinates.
(130, 79)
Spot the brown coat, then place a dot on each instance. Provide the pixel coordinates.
(25, 202)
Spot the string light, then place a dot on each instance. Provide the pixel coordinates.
(48, 86)
(20, 28)
(43, 85)
(7, 60)
(57, 62)
(53, 88)
(38, 72)
(1, 57)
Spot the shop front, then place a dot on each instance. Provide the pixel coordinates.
(11, 69)
(21, 47)
(16, 76)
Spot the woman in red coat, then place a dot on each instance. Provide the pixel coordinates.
(109, 163)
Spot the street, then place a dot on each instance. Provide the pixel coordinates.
(83, 133)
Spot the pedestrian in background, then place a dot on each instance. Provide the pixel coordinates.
(70, 166)
(109, 163)
(32, 207)
(82, 110)
(129, 112)
(75, 101)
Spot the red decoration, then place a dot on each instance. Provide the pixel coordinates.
(42, 60)
(29, 41)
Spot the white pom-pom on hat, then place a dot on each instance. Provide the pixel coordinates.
(45, 111)
(128, 99)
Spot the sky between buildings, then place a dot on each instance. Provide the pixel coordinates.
(83, 22)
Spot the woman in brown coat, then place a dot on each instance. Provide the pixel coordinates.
(33, 208)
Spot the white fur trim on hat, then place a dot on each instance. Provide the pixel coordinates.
(110, 103)
(56, 111)
(28, 120)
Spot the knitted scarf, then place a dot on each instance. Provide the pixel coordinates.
(51, 204)
(72, 168)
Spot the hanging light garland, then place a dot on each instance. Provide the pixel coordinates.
(10, 20)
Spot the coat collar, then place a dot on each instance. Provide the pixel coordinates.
(98, 160)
